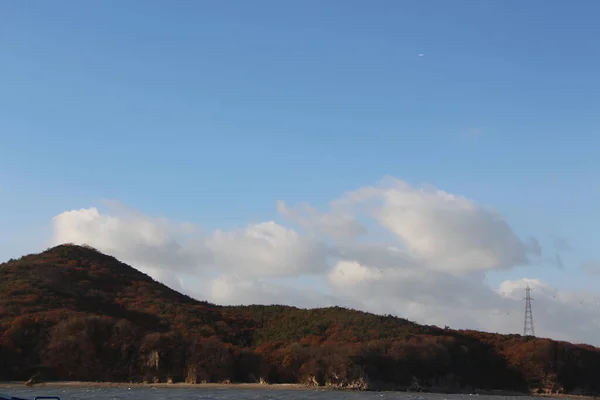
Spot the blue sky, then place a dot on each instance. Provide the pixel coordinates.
(209, 112)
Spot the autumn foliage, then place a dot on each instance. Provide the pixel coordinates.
(73, 313)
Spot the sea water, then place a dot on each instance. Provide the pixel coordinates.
(235, 394)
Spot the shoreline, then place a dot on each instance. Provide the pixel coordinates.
(257, 386)
(180, 385)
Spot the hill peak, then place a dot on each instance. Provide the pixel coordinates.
(71, 249)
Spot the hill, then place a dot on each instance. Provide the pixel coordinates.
(73, 313)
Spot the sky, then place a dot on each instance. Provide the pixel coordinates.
(426, 159)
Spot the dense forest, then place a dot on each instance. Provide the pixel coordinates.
(73, 313)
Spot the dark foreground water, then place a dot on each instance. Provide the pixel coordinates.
(234, 394)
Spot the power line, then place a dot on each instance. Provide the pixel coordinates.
(528, 329)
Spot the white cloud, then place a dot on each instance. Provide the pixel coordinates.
(234, 290)
(267, 249)
(148, 243)
(445, 231)
(429, 266)
(336, 225)
(446, 298)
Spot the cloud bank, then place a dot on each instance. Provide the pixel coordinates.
(416, 252)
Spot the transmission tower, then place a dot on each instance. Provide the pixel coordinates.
(528, 329)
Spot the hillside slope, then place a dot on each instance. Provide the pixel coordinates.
(74, 313)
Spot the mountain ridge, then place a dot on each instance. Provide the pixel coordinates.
(119, 324)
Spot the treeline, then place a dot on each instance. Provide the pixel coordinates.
(72, 313)
(92, 348)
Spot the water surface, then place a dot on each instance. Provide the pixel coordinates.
(235, 394)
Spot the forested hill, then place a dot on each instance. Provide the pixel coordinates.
(73, 313)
